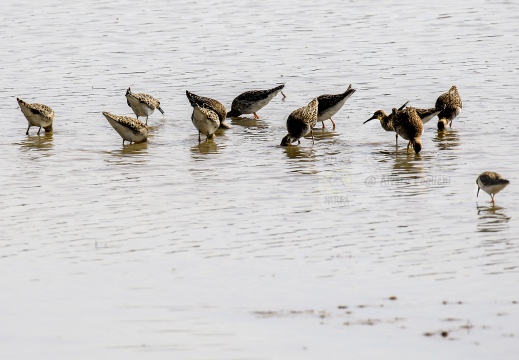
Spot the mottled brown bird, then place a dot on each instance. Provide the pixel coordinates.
(450, 102)
(300, 122)
(386, 121)
(37, 115)
(408, 125)
(208, 103)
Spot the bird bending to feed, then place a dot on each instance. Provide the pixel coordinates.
(491, 183)
(129, 128)
(142, 104)
(37, 115)
(208, 103)
(386, 121)
(408, 125)
(205, 120)
(450, 102)
(329, 105)
(250, 102)
(300, 122)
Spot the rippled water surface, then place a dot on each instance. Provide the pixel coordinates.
(238, 248)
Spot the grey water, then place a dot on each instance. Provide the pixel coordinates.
(238, 248)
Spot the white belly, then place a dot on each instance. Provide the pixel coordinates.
(128, 134)
(328, 113)
(202, 123)
(139, 108)
(491, 189)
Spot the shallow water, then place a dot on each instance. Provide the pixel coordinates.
(238, 248)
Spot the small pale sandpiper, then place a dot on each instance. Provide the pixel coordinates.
(37, 115)
(130, 129)
(208, 103)
(491, 183)
(142, 104)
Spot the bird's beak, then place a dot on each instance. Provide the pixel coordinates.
(477, 194)
(371, 118)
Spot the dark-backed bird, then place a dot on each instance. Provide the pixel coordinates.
(250, 102)
(491, 183)
(329, 105)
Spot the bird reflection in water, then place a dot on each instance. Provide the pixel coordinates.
(447, 139)
(204, 148)
(44, 141)
(248, 122)
(492, 218)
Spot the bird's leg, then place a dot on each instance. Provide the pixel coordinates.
(39, 131)
(332, 123)
(450, 124)
(123, 142)
(146, 120)
(323, 125)
(312, 133)
(492, 196)
(256, 116)
(396, 139)
(284, 96)
(199, 137)
(298, 142)
(409, 143)
(27, 132)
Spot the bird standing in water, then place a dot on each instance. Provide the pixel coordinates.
(250, 102)
(329, 105)
(491, 183)
(142, 104)
(408, 125)
(301, 122)
(450, 102)
(208, 103)
(386, 121)
(37, 115)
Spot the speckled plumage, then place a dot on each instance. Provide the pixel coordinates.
(300, 122)
(205, 120)
(386, 121)
(408, 125)
(37, 115)
(491, 183)
(451, 104)
(142, 104)
(252, 101)
(329, 105)
(129, 128)
(208, 103)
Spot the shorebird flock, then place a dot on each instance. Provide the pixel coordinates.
(209, 115)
